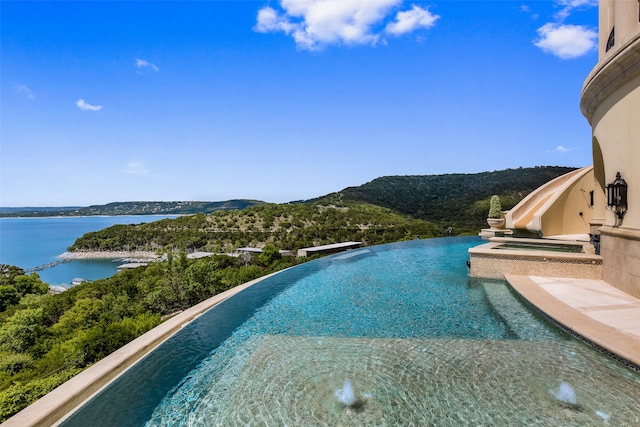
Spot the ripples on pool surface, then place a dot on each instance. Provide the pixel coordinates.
(421, 343)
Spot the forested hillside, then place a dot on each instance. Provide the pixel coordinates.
(384, 210)
(286, 226)
(460, 201)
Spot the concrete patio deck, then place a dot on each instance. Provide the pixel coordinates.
(593, 309)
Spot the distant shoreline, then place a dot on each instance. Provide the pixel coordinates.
(108, 255)
(4, 216)
(134, 208)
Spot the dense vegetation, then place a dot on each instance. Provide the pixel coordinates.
(131, 208)
(45, 339)
(287, 226)
(460, 201)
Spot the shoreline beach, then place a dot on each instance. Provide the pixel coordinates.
(108, 255)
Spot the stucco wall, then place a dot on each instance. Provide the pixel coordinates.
(620, 250)
(611, 102)
(616, 126)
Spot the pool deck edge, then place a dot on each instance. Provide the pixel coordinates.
(63, 400)
(593, 309)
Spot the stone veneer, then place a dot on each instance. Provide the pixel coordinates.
(620, 250)
(490, 263)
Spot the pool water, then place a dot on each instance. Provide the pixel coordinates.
(421, 343)
(541, 247)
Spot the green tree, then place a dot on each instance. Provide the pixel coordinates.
(19, 395)
(21, 330)
(15, 284)
(117, 306)
(14, 362)
(269, 255)
(8, 273)
(30, 284)
(8, 296)
(84, 314)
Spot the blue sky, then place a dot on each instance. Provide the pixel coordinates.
(282, 100)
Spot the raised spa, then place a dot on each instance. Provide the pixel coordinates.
(540, 247)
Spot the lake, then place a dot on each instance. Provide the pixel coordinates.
(32, 242)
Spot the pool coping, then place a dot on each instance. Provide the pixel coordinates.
(576, 314)
(57, 405)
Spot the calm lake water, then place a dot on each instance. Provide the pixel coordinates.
(32, 242)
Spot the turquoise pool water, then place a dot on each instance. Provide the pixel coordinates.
(541, 247)
(421, 343)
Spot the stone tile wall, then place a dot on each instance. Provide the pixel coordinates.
(495, 267)
(492, 261)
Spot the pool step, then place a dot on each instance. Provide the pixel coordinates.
(521, 321)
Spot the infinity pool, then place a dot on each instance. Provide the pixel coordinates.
(419, 341)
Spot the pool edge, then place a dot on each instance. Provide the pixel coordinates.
(565, 310)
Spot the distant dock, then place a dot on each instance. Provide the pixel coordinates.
(42, 267)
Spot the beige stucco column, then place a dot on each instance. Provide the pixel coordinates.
(626, 20)
(606, 21)
(611, 102)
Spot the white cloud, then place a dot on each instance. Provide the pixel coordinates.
(316, 23)
(561, 149)
(25, 91)
(141, 63)
(136, 168)
(270, 21)
(527, 9)
(87, 107)
(568, 6)
(566, 41)
(411, 20)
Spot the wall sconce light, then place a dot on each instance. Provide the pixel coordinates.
(617, 197)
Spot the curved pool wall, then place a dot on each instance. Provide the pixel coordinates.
(420, 341)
